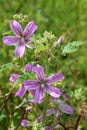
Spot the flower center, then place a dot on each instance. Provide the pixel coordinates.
(42, 85)
(22, 39)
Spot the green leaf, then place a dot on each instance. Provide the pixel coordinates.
(7, 66)
(78, 93)
(18, 81)
(34, 37)
(2, 117)
(70, 47)
(40, 48)
(68, 92)
(77, 43)
(7, 33)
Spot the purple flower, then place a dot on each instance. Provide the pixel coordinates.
(28, 67)
(60, 39)
(22, 38)
(24, 123)
(13, 77)
(42, 85)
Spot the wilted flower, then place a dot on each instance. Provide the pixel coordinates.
(47, 128)
(40, 118)
(65, 96)
(84, 115)
(63, 107)
(22, 38)
(42, 85)
(53, 125)
(52, 111)
(24, 123)
(28, 109)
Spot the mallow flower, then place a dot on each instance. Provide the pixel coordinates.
(42, 84)
(21, 38)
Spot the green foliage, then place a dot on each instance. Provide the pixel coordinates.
(71, 47)
(6, 67)
(40, 48)
(68, 92)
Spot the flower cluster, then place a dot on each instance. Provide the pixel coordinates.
(41, 87)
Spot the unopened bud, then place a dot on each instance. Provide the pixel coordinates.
(60, 39)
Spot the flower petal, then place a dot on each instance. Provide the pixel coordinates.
(32, 91)
(19, 51)
(13, 77)
(54, 92)
(28, 67)
(39, 94)
(16, 28)
(10, 40)
(29, 29)
(27, 43)
(21, 92)
(39, 72)
(54, 78)
(66, 108)
(31, 84)
(30, 47)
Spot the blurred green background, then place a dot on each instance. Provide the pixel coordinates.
(62, 17)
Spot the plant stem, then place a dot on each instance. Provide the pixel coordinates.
(78, 121)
